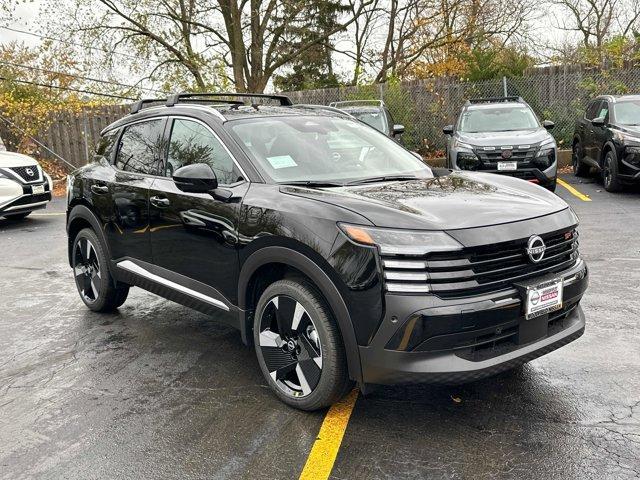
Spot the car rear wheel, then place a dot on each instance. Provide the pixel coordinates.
(18, 216)
(91, 272)
(610, 173)
(579, 168)
(299, 347)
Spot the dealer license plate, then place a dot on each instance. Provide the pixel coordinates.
(36, 189)
(507, 165)
(543, 298)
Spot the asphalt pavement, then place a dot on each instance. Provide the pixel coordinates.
(159, 391)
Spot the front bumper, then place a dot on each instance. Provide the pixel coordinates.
(17, 198)
(461, 340)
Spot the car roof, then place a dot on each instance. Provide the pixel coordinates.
(484, 106)
(616, 98)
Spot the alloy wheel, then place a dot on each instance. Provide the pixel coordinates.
(606, 172)
(87, 270)
(290, 346)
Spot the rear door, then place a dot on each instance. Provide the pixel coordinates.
(194, 235)
(135, 165)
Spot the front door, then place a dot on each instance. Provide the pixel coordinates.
(589, 141)
(194, 234)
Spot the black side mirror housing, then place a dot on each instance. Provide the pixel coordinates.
(598, 122)
(195, 178)
(398, 130)
(447, 130)
(548, 124)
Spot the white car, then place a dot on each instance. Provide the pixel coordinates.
(24, 186)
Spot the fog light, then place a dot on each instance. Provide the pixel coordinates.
(467, 161)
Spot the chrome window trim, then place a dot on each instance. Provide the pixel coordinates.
(136, 269)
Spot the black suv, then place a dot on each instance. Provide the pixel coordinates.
(334, 250)
(503, 135)
(607, 137)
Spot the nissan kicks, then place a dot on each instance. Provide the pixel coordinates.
(608, 139)
(24, 186)
(503, 135)
(332, 249)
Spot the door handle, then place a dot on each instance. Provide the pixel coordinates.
(160, 202)
(99, 189)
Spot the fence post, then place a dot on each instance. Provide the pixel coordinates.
(86, 136)
(504, 86)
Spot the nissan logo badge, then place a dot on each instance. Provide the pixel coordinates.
(535, 248)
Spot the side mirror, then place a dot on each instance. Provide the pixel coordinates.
(195, 178)
(548, 124)
(598, 122)
(448, 130)
(398, 129)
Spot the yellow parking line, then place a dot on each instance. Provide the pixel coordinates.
(325, 449)
(573, 191)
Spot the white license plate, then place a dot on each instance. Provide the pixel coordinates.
(36, 189)
(507, 165)
(544, 298)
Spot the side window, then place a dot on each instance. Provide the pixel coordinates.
(603, 111)
(106, 144)
(592, 109)
(141, 147)
(192, 142)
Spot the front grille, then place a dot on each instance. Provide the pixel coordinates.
(518, 153)
(28, 174)
(478, 270)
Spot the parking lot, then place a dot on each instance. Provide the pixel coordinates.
(160, 391)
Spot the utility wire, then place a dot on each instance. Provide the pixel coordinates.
(45, 37)
(78, 77)
(80, 90)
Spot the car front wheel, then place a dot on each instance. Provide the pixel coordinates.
(579, 168)
(610, 173)
(299, 347)
(91, 272)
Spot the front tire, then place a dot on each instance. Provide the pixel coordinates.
(610, 173)
(579, 168)
(91, 272)
(299, 347)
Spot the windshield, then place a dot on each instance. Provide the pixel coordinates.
(373, 119)
(319, 148)
(498, 119)
(627, 113)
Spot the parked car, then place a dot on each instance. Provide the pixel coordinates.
(374, 113)
(334, 250)
(607, 138)
(24, 186)
(503, 135)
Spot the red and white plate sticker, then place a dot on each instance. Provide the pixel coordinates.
(544, 298)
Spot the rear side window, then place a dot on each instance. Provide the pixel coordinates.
(592, 110)
(192, 142)
(106, 144)
(141, 147)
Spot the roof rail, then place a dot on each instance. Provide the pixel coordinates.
(311, 106)
(176, 97)
(347, 103)
(513, 98)
(137, 106)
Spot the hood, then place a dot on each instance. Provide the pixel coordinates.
(496, 139)
(455, 201)
(630, 129)
(11, 159)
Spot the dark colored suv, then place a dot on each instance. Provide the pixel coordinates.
(334, 250)
(503, 135)
(607, 138)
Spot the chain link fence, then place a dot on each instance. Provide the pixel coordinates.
(558, 94)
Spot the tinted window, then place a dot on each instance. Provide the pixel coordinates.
(192, 142)
(592, 110)
(106, 144)
(141, 147)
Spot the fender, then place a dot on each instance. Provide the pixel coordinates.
(321, 280)
(607, 144)
(82, 211)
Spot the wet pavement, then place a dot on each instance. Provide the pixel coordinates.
(159, 391)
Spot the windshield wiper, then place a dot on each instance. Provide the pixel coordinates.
(386, 178)
(312, 183)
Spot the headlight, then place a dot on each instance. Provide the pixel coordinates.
(457, 144)
(625, 137)
(400, 242)
(546, 148)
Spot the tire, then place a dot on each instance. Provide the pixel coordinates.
(610, 173)
(579, 168)
(299, 346)
(17, 216)
(91, 274)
